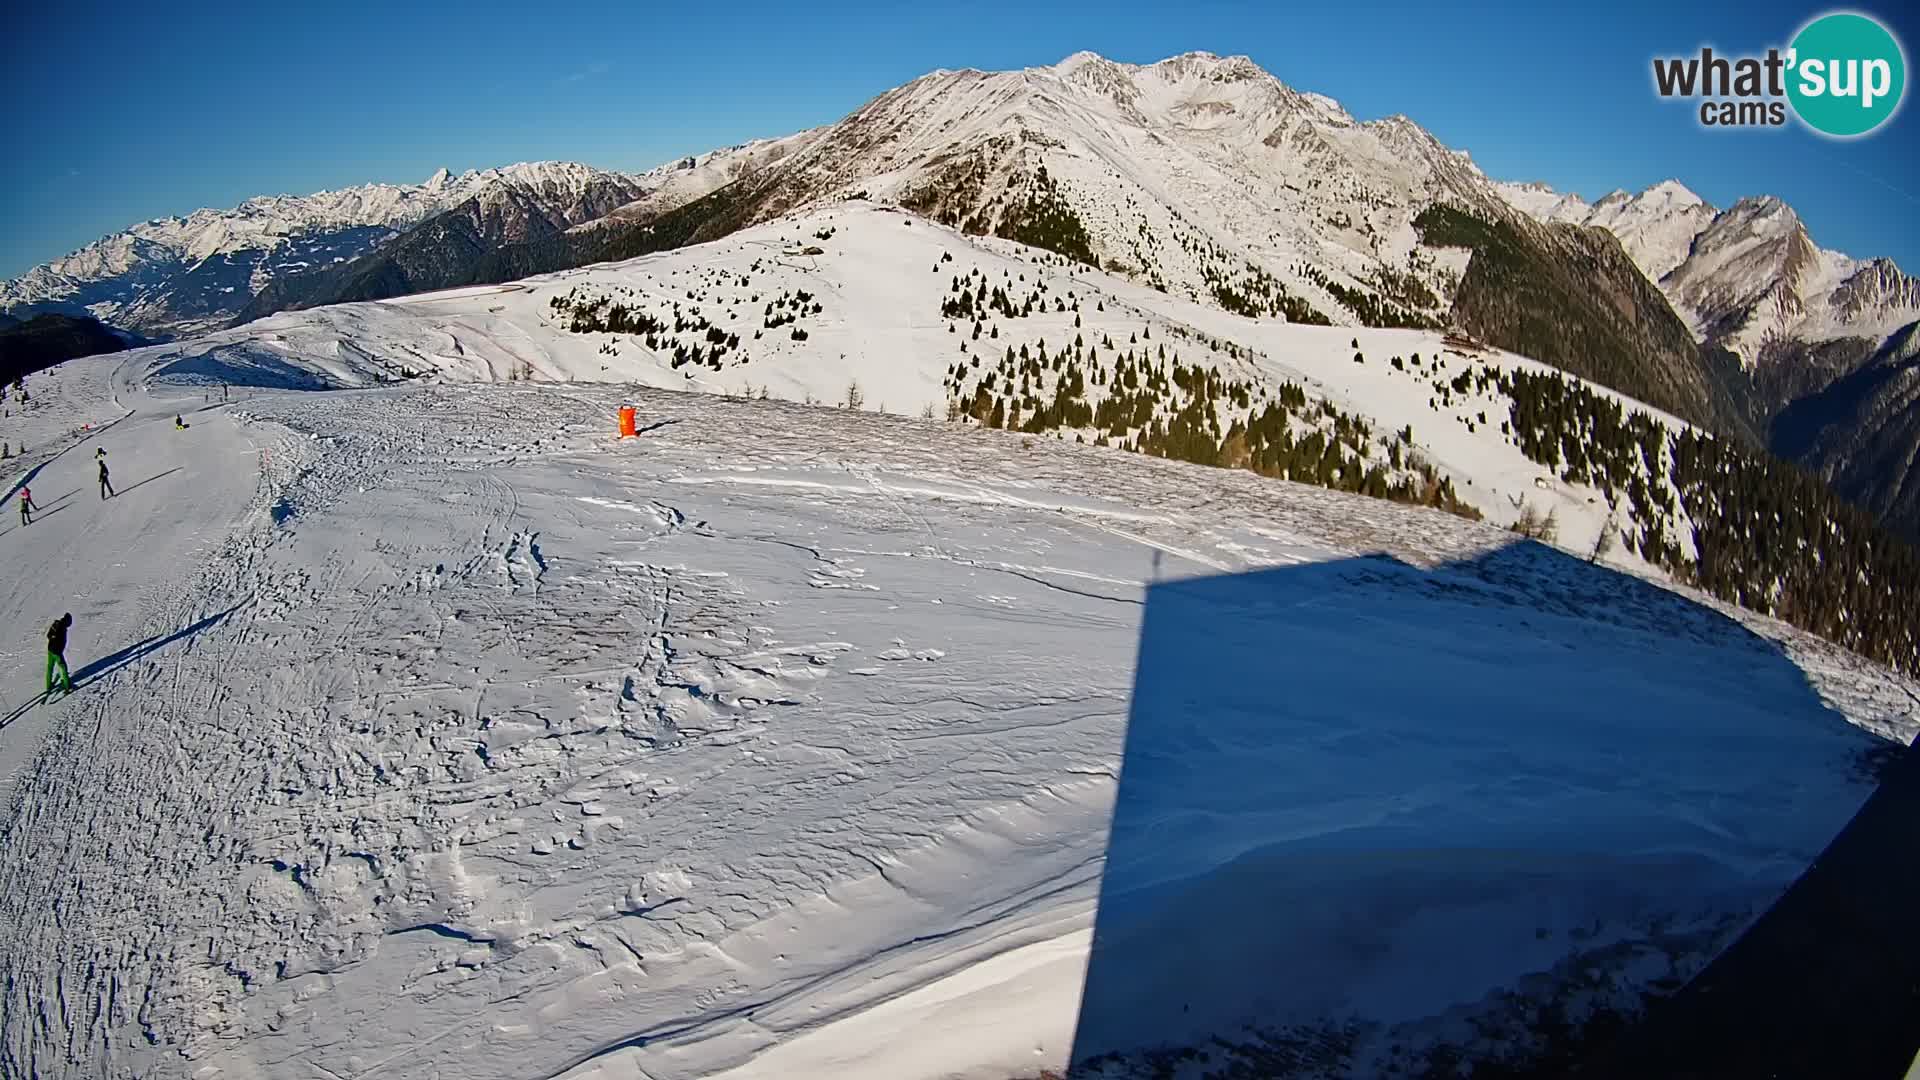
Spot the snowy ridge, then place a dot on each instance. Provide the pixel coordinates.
(880, 279)
(1540, 201)
(1657, 227)
(1200, 172)
(679, 182)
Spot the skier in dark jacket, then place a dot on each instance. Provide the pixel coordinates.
(26, 507)
(57, 653)
(106, 486)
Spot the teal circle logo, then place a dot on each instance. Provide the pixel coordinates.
(1847, 75)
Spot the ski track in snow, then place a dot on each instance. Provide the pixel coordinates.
(457, 738)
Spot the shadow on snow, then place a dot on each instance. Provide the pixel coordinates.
(38, 517)
(148, 480)
(1827, 983)
(1379, 820)
(107, 665)
(93, 672)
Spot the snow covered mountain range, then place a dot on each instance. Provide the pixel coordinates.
(1194, 171)
(1745, 277)
(786, 309)
(1202, 176)
(175, 276)
(1179, 169)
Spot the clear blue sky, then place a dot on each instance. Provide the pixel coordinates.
(119, 113)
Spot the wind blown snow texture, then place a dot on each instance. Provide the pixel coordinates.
(430, 731)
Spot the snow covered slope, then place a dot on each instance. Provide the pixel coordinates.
(853, 295)
(173, 276)
(428, 730)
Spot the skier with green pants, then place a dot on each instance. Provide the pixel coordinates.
(56, 654)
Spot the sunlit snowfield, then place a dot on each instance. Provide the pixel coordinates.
(433, 731)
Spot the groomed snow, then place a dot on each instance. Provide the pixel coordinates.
(430, 730)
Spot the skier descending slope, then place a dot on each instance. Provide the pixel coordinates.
(57, 654)
(106, 485)
(26, 507)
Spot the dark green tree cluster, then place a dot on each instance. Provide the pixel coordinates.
(1773, 537)
(596, 315)
(1258, 294)
(956, 194)
(1592, 439)
(1405, 288)
(1151, 402)
(1335, 452)
(1766, 535)
(1371, 310)
(1045, 219)
(789, 307)
(1440, 225)
(969, 298)
(690, 338)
